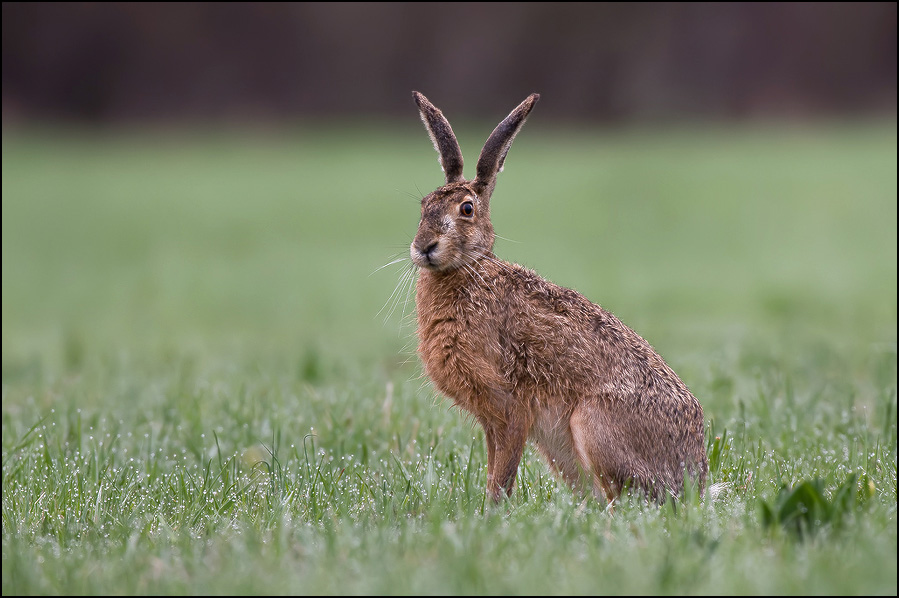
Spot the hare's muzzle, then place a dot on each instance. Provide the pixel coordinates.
(425, 253)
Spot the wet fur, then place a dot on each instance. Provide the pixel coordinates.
(530, 359)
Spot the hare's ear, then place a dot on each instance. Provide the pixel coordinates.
(443, 137)
(494, 153)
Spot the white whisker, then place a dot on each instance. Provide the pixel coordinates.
(506, 239)
(409, 285)
(401, 288)
(396, 261)
(404, 287)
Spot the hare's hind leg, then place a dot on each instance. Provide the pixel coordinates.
(593, 439)
(553, 437)
(564, 463)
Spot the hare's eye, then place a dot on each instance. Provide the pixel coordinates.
(467, 208)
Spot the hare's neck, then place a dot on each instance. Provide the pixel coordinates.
(440, 294)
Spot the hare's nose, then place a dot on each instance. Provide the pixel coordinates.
(429, 249)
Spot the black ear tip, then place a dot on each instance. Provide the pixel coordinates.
(418, 97)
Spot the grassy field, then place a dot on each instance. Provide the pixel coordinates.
(207, 388)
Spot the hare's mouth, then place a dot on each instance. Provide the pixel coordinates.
(429, 257)
(432, 256)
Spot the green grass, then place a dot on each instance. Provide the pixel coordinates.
(199, 395)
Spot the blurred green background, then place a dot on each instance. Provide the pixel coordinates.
(271, 243)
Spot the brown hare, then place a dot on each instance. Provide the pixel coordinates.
(530, 359)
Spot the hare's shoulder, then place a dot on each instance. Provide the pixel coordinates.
(566, 321)
(531, 292)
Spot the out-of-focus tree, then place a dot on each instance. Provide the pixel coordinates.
(110, 62)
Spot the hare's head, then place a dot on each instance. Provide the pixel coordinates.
(455, 226)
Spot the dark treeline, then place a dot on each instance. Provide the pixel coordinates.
(113, 62)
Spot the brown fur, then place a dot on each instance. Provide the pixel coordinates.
(530, 359)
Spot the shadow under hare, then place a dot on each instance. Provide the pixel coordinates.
(530, 359)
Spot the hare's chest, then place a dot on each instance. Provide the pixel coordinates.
(460, 360)
(458, 340)
(444, 351)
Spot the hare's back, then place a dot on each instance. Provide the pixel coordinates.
(567, 341)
